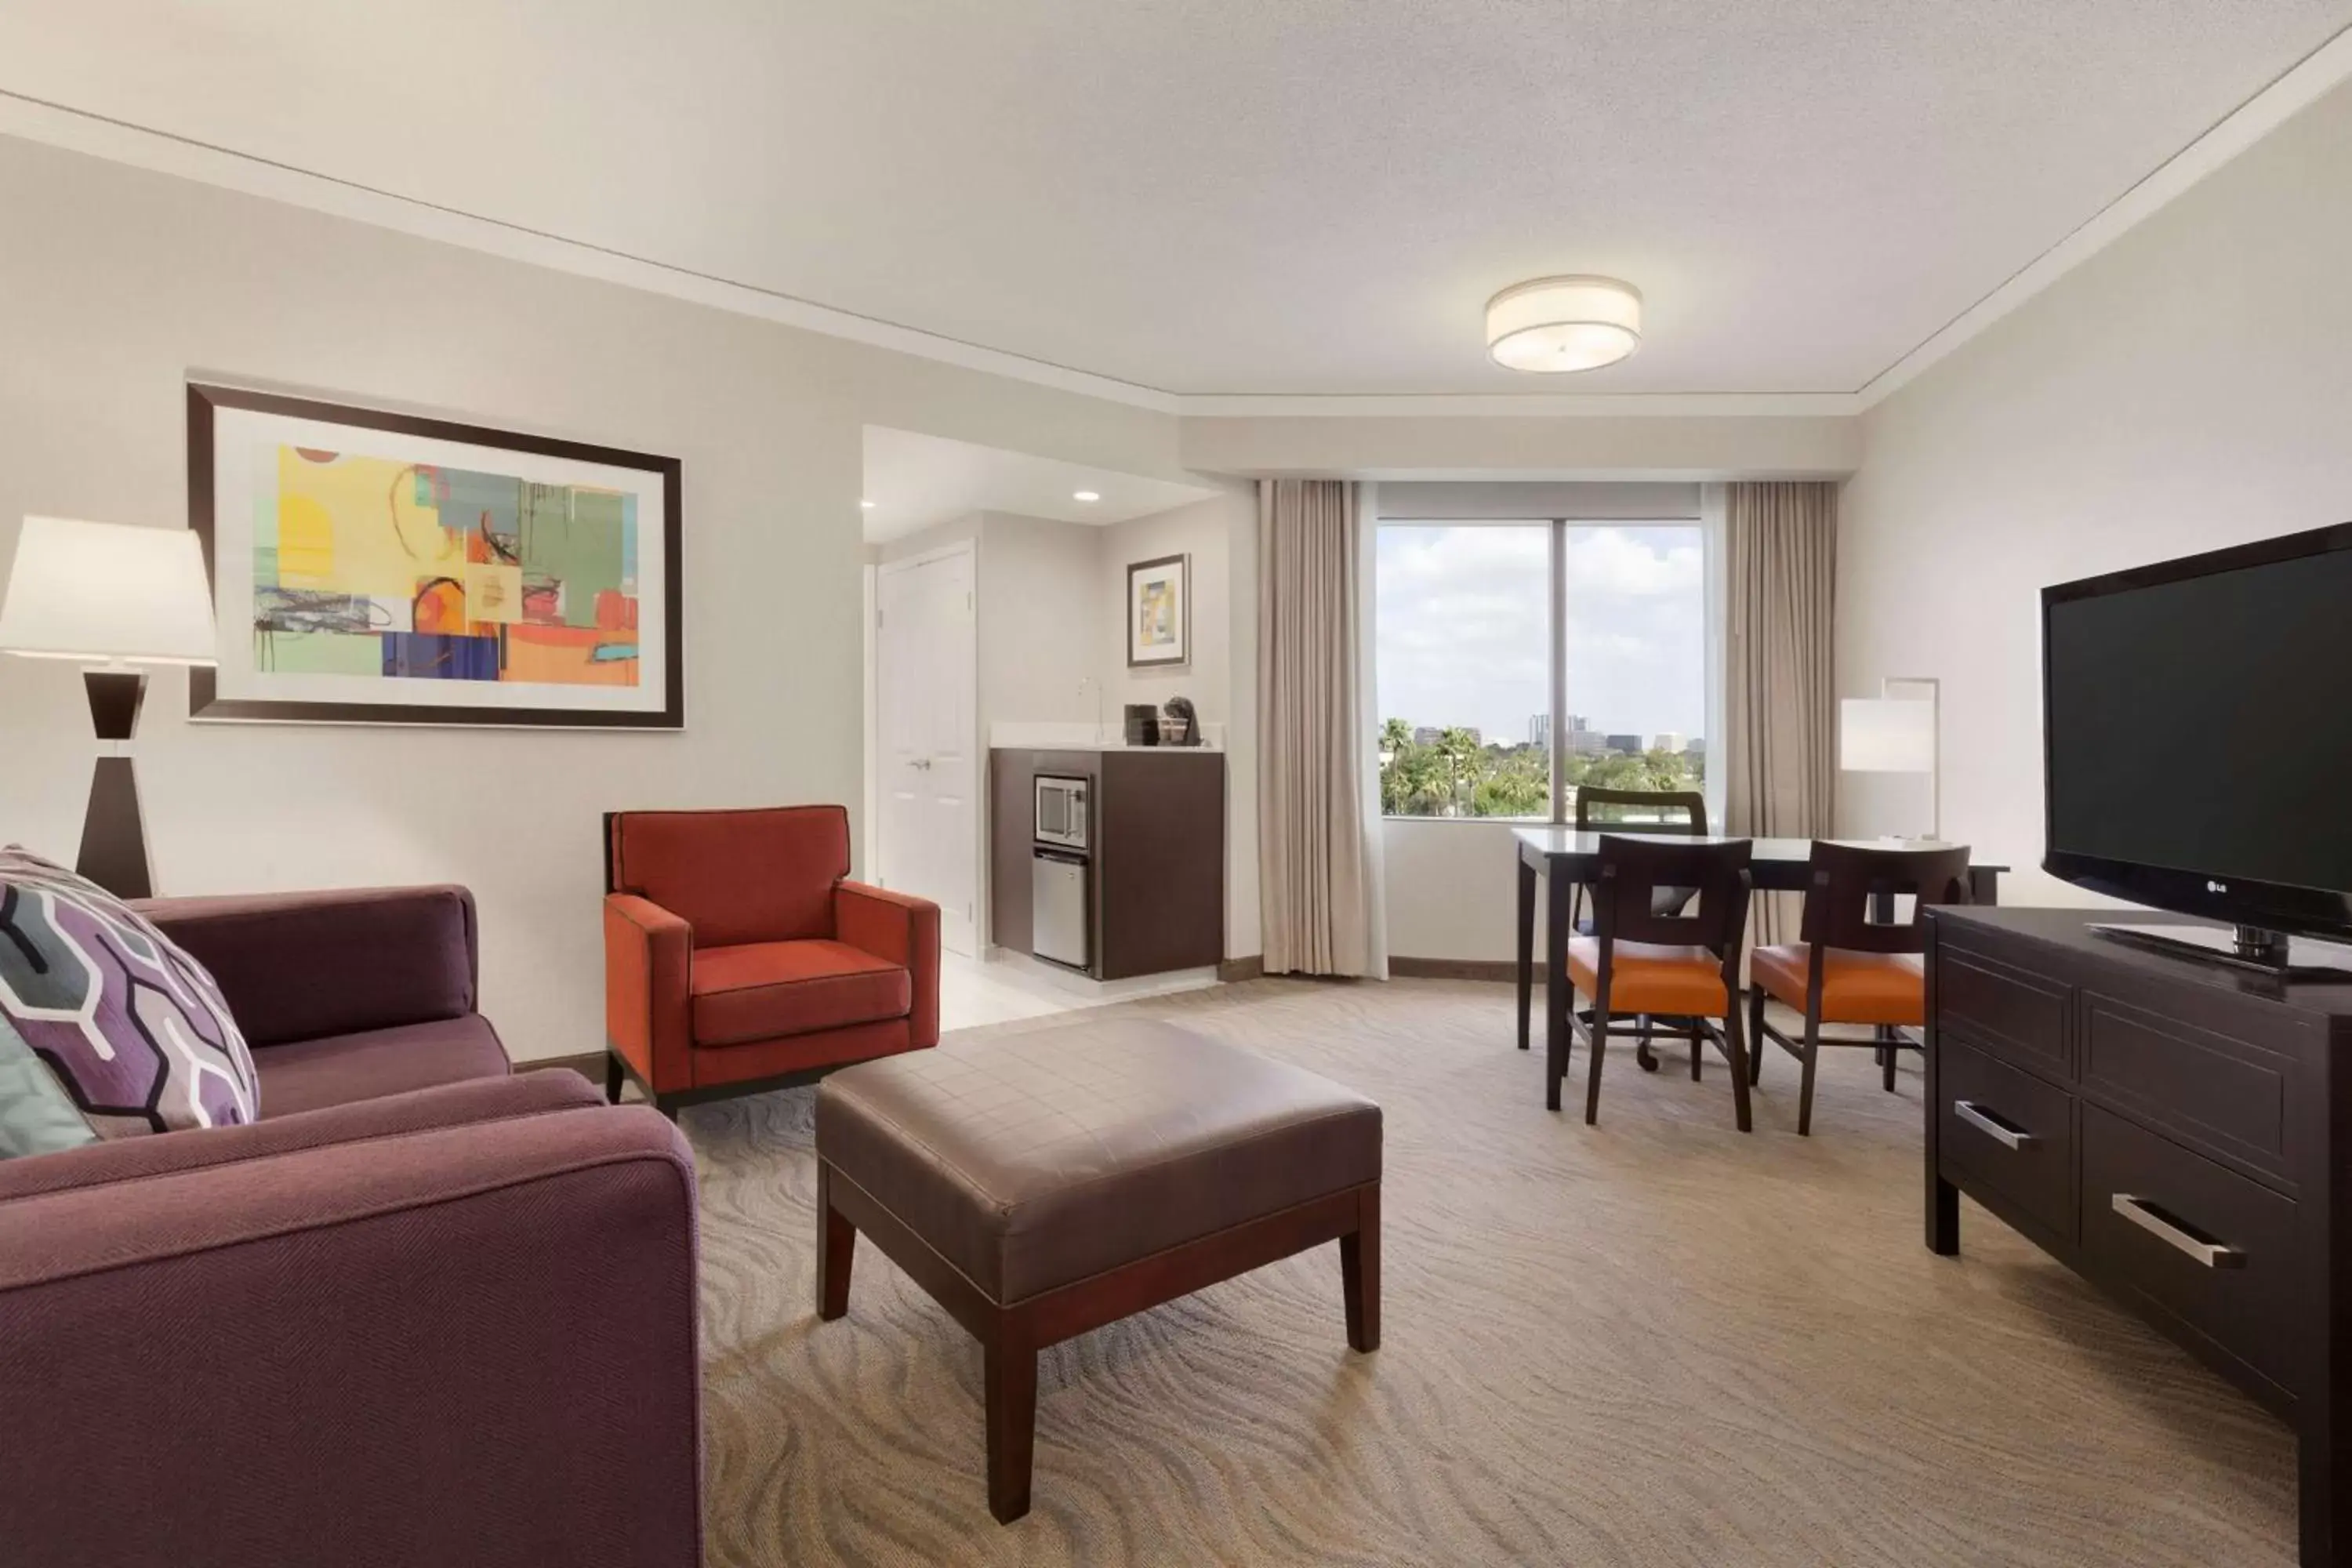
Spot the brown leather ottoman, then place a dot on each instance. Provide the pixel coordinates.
(1056, 1181)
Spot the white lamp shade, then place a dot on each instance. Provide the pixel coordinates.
(1557, 324)
(103, 592)
(1886, 735)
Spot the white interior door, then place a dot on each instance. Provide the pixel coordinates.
(926, 717)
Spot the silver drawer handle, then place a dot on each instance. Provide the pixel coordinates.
(2210, 1253)
(2008, 1136)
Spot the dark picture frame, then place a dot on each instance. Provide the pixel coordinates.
(204, 702)
(1177, 568)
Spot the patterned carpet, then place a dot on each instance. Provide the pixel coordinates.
(1655, 1341)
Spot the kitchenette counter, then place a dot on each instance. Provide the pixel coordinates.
(1088, 738)
(1151, 872)
(1091, 746)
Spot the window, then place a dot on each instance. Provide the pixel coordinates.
(1464, 656)
(1463, 614)
(1636, 659)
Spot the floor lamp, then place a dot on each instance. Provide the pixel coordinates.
(1895, 733)
(114, 598)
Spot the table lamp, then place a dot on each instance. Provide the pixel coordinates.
(1893, 733)
(112, 598)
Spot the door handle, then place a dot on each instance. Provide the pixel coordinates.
(2211, 1254)
(922, 762)
(2001, 1132)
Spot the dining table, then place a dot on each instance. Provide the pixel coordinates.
(1564, 859)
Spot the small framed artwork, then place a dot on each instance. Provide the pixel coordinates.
(1159, 611)
(373, 568)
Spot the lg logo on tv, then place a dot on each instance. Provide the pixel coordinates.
(2216, 886)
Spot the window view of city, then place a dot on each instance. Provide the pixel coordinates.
(1463, 646)
(1455, 771)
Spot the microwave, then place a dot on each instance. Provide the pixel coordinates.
(1061, 819)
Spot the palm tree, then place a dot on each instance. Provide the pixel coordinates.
(1395, 743)
(1460, 749)
(1428, 781)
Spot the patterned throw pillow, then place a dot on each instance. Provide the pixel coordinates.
(35, 1116)
(134, 1029)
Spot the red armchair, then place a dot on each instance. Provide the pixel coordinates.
(738, 958)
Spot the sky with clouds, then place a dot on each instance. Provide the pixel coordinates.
(1463, 632)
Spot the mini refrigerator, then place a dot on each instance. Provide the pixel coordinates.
(1058, 909)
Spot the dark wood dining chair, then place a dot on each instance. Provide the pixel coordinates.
(1639, 811)
(1676, 974)
(1850, 968)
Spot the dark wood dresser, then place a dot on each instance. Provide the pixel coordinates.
(2180, 1133)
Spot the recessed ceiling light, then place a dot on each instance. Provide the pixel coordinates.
(865, 506)
(1086, 495)
(1555, 324)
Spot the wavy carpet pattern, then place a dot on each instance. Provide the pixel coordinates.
(1652, 1342)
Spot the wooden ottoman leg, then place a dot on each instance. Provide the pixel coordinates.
(1360, 1272)
(1010, 1371)
(837, 1249)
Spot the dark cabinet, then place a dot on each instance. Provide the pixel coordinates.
(2168, 1128)
(2010, 1133)
(1154, 859)
(2208, 1256)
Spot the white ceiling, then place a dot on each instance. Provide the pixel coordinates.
(1232, 196)
(916, 481)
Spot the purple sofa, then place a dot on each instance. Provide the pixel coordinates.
(421, 1312)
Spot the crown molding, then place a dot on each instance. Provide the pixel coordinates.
(2309, 79)
(1520, 404)
(122, 142)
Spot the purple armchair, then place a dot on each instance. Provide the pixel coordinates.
(421, 1312)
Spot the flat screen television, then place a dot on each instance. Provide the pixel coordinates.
(2197, 740)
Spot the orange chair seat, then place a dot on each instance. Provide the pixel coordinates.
(1856, 987)
(760, 990)
(1647, 978)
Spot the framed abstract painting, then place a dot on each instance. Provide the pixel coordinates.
(1160, 612)
(372, 568)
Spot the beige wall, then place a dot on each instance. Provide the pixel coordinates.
(1476, 500)
(1219, 535)
(116, 285)
(1203, 533)
(2188, 388)
(1041, 619)
(964, 529)
(1590, 447)
(1453, 888)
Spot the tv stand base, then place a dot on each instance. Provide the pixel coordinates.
(2241, 947)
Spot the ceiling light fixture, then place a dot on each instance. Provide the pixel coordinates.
(1555, 324)
(1086, 495)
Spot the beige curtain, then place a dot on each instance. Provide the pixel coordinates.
(1316, 864)
(1780, 701)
